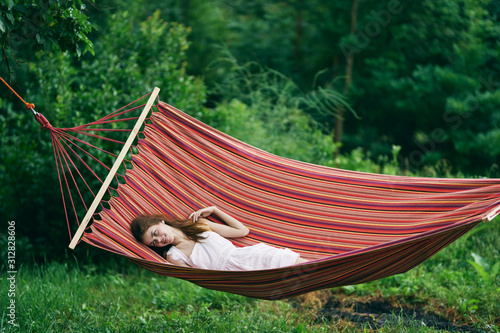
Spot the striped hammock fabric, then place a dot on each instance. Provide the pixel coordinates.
(354, 227)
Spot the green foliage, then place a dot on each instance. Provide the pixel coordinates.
(152, 55)
(296, 38)
(484, 270)
(27, 26)
(268, 110)
(283, 131)
(424, 77)
(431, 72)
(70, 94)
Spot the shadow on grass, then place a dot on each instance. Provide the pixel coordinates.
(379, 313)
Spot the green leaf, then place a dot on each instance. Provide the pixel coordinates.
(480, 261)
(480, 270)
(11, 18)
(495, 270)
(2, 27)
(22, 9)
(40, 39)
(90, 49)
(10, 4)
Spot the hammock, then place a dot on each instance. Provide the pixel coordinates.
(354, 227)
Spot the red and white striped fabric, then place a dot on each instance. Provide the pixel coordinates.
(354, 227)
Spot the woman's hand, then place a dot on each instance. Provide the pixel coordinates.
(233, 229)
(204, 212)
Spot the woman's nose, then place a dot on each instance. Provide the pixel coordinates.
(159, 239)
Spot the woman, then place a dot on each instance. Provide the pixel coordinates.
(198, 242)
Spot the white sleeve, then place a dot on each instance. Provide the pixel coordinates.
(176, 254)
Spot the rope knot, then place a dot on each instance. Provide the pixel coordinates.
(43, 121)
(30, 106)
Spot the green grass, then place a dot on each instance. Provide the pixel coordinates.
(64, 298)
(460, 286)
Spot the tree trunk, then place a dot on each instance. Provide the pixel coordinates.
(335, 66)
(186, 6)
(298, 38)
(339, 122)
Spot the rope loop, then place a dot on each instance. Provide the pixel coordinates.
(43, 121)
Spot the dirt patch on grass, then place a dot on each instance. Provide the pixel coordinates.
(375, 311)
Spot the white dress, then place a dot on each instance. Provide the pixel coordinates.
(217, 253)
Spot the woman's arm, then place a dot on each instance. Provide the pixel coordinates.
(233, 229)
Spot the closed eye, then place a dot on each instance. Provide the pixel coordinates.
(153, 234)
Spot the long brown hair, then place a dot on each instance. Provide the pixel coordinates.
(192, 230)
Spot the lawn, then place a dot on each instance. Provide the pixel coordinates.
(457, 290)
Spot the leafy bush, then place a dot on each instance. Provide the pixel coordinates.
(131, 59)
(282, 131)
(268, 110)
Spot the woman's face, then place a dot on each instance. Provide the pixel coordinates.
(158, 235)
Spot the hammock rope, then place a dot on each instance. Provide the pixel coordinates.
(354, 227)
(29, 106)
(69, 152)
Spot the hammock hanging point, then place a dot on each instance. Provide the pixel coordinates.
(42, 120)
